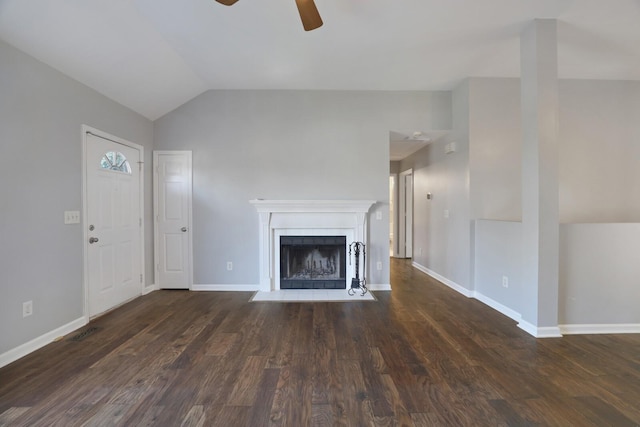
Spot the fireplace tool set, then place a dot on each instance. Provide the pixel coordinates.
(357, 284)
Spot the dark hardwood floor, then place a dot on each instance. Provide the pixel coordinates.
(422, 355)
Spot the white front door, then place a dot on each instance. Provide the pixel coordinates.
(172, 208)
(114, 224)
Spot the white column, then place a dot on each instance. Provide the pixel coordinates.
(540, 194)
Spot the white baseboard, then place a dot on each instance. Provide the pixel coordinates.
(150, 288)
(39, 342)
(615, 328)
(543, 332)
(540, 332)
(218, 288)
(381, 287)
(453, 285)
(497, 306)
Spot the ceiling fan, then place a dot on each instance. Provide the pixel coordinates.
(308, 13)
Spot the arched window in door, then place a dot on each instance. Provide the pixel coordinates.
(115, 161)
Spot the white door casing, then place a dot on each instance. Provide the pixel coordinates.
(409, 215)
(405, 214)
(113, 231)
(393, 214)
(172, 191)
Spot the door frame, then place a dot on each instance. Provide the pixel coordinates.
(156, 252)
(405, 216)
(85, 209)
(394, 215)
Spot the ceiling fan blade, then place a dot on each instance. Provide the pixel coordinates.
(308, 14)
(227, 2)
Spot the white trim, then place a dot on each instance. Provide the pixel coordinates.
(404, 230)
(39, 342)
(614, 328)
(297, 206)
(150, 288)
(276, 216)
(543, 332)
(85, 233)
(453, 285)
(394, 241)
(497, 306)
(527, 327)
(229, 287)
(540, 332)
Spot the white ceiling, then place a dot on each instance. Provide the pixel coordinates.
(154, 55)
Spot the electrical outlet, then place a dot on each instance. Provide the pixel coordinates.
(446, 213)
(505, 282)
(378, 215)
(419, 251)
(27, 308)
(229, 265)
(379, 265)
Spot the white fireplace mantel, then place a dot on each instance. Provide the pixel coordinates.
(305, 217)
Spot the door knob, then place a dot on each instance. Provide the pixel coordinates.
(93, 240)
(183, 229)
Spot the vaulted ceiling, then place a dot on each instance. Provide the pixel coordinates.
(154, 55)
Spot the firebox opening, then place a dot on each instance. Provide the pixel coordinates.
(313, 262)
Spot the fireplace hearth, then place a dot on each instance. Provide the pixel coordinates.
(313, 262)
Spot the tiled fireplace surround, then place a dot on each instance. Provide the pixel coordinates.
(306, 218)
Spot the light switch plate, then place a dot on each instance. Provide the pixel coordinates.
(72, 217)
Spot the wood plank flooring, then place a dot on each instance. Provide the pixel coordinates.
(422, 355)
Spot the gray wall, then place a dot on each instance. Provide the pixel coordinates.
(599, 151)
(394, 167)
(598, 280)
(598, 178)
(498, 249)
(496, 149)
(443, 245)
(599, 270)
(599, 134)
(287, 145)
(41, 113)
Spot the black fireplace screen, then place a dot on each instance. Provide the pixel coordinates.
(313, 262)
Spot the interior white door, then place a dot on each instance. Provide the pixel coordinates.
(172, 196)
(114, 262)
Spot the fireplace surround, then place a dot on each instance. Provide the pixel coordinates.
(278, 218)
